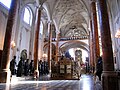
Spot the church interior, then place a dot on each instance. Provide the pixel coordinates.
(59, 44)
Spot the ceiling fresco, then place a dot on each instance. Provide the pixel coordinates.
(72, 16)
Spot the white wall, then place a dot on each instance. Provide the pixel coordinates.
(3, 22)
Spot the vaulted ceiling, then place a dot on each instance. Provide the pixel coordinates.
(71, 17)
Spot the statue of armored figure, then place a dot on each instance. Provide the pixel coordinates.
(20, 69)
(13, 65)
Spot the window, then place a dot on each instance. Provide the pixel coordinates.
(6, 3)
(27, 16)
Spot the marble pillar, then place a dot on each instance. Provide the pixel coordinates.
(0, 57)
(57, 47)
(49, 45)
(5, 60)
(109, 77)
(91, 48)
(36, 43)
(95, 32)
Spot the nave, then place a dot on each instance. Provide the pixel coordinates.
(49, 30)
(85, 83)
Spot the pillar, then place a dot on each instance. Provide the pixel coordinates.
(49, 45)
(5, 61)
(109, 77)
(57, 46)
(36, 44)
(0, 57)
(95, 32)
(91, 48)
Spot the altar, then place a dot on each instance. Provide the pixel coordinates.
(64, 70)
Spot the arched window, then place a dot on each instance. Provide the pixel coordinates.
(6, 3)
(27, 16)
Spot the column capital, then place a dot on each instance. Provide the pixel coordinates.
(57, 32)
(50, 22)
(92, 1)
(39, 7)
(40, 2)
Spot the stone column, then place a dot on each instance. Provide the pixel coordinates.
(95, 31)
(0, 57)
(36, 44)
(5, 61)
(57, 46)
(91, 48)
(49, 44)
(109, 77)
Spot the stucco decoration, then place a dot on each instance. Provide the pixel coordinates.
(69, 14)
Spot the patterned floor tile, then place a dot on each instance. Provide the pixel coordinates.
(85, 83)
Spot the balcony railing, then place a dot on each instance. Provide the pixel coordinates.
(66, 39)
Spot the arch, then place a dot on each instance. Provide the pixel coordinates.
(31, 6)
(47, 9)
(72, 44)
(46, 45)
(27, 15)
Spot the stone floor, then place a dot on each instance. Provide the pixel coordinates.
(85, 83)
